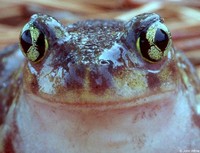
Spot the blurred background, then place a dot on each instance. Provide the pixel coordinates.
(181, 16)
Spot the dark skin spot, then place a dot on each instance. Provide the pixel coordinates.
(34, 86)
(196, 120)
(10, 137)
(75, 77)
(100, 79)
(8, 145)
(153, 80)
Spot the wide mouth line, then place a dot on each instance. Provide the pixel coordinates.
(88, 106)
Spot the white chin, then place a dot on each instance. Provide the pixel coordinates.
(159, 126)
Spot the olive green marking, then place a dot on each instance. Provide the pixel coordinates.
(59, 33)
(138, 45)
(150, 35)
(34, 34)
(131, 83)
(155, 53)
(46, 45)
(164, 74)
(32, 53)
(167, 78)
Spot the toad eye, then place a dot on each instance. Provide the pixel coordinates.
(33, 43)
(154, 43)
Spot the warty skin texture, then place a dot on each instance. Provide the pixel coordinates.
(107, 96)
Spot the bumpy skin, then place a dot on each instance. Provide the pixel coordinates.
(93, 80)
(98, 60)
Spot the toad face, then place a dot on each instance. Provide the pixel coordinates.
(97, 61)
(98, 86)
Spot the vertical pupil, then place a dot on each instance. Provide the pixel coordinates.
(26, 40)
(161, 39)
(145, 46)
(41, 45)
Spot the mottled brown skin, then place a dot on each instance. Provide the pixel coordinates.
(95, 59)
(92, 64)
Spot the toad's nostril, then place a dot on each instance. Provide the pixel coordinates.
(105, 62)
